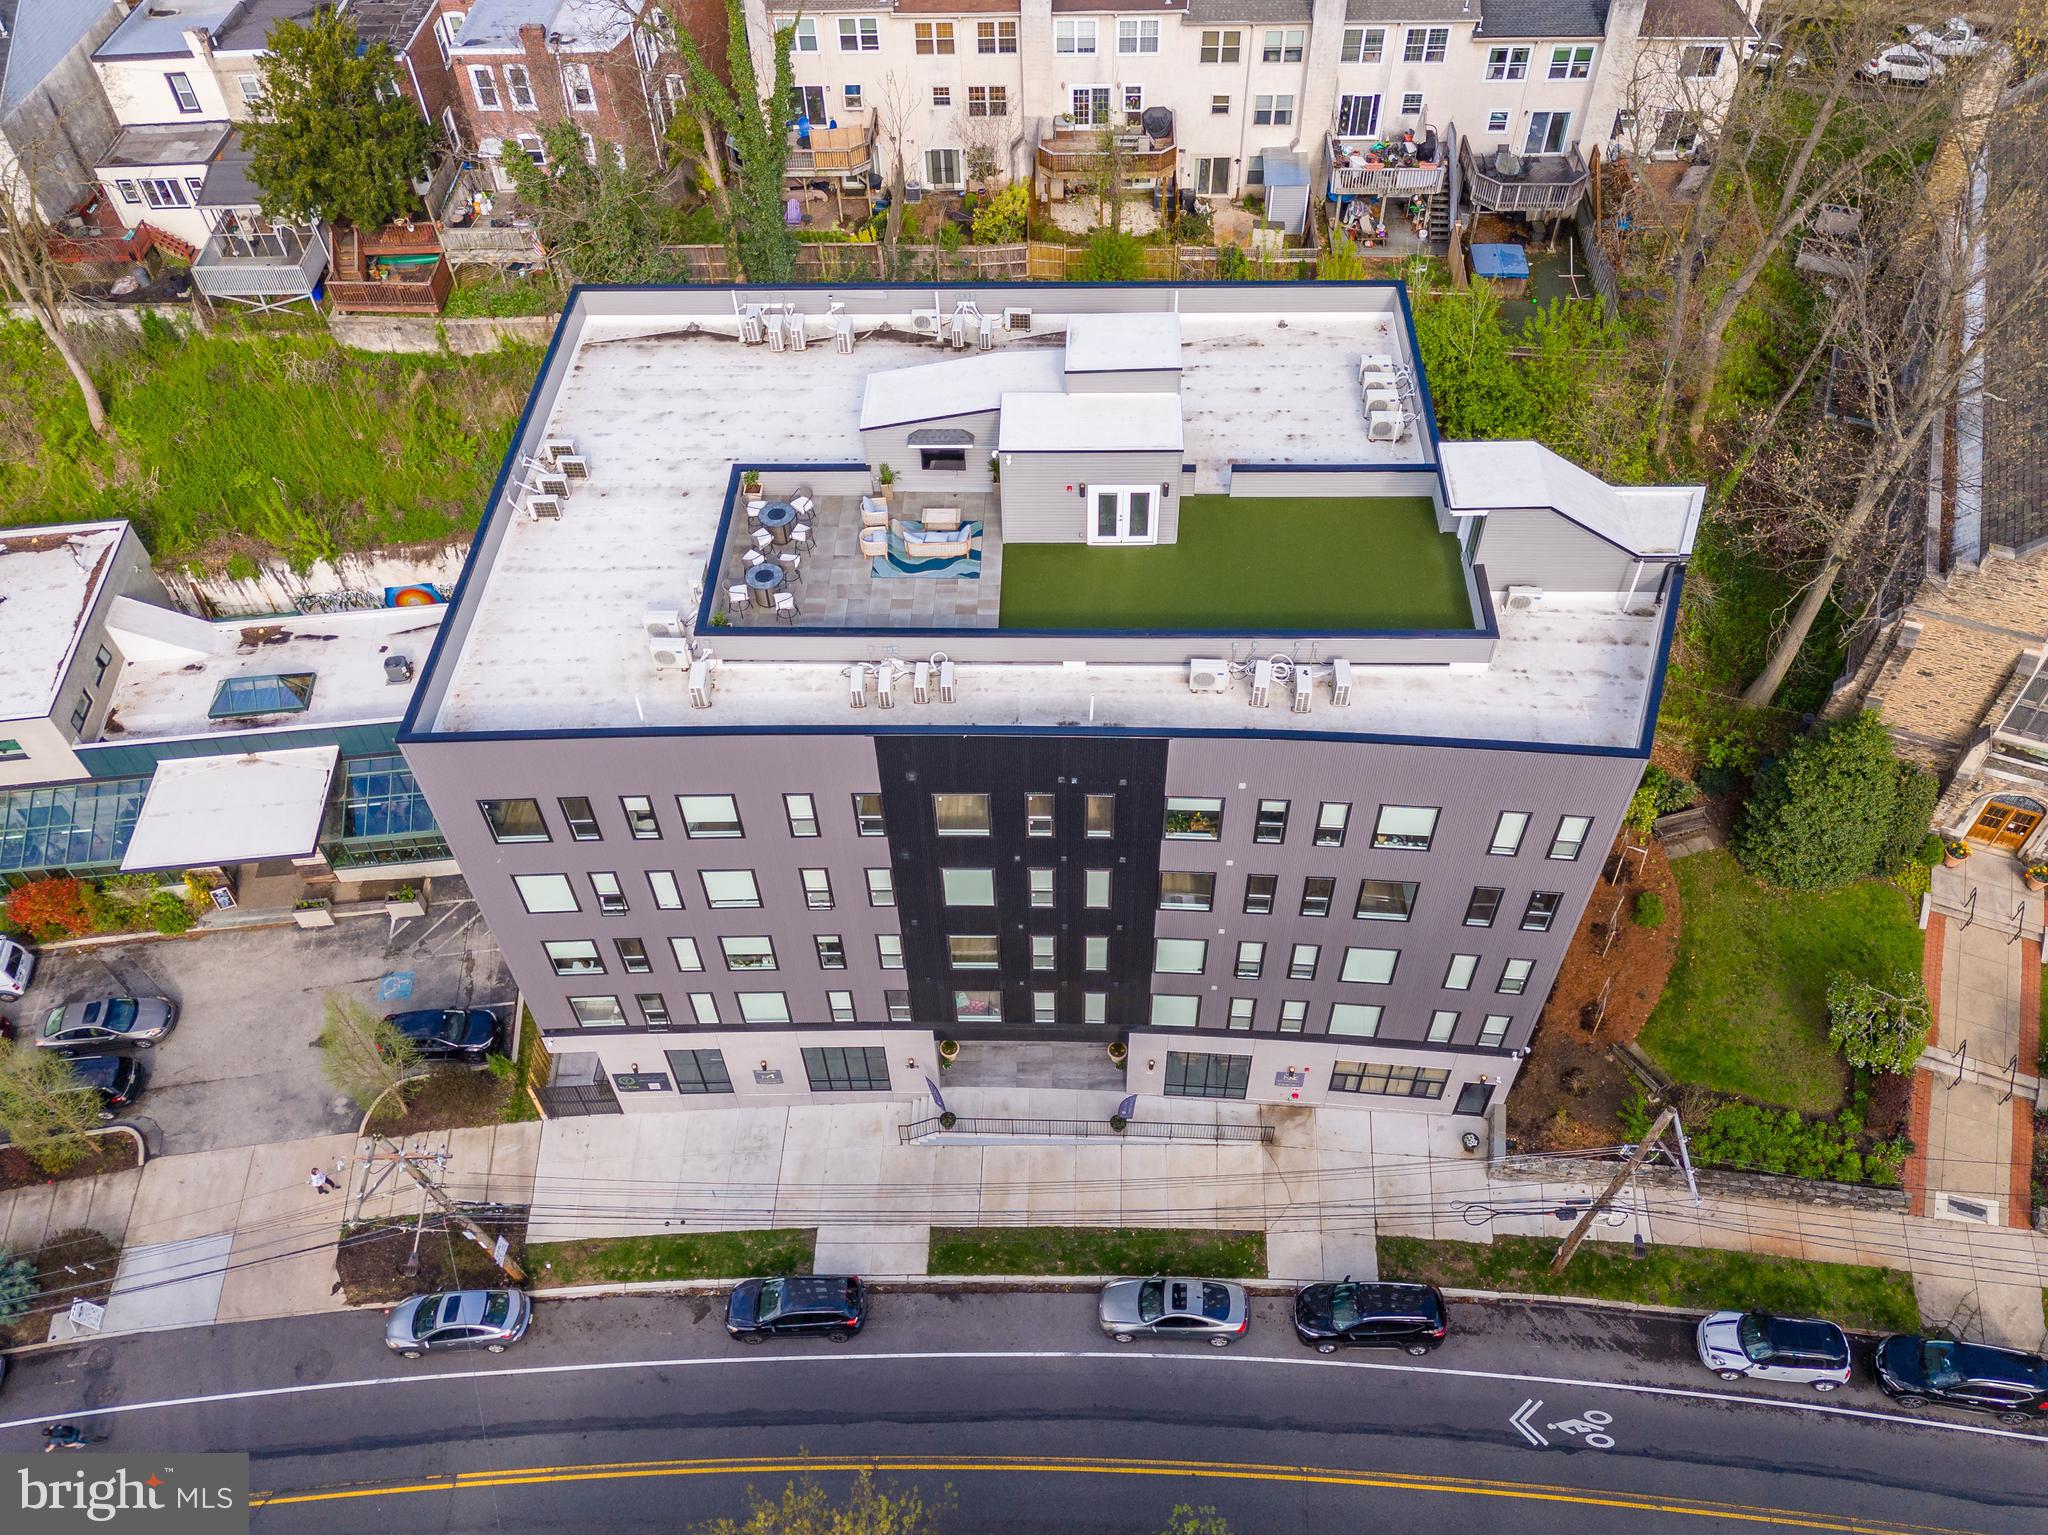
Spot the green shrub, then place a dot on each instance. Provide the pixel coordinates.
(1741, 1135)
(1232, 264)
(1111, 256)
(1878, 1028)
(1648, 910)
(18, 1287)
(1930, 849)
(1341, 261)
(1917, 792)
(1826, 812)
(170, 913)
(1659, 794)
(1635, 1115)
(1000, 220)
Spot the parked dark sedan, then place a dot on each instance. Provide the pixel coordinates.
(1915, 1370)
(449, 1033)
(1332, 1316)
(115, 1080)
(137, 1021)
(809, 1305)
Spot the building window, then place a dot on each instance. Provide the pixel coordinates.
(934, 37)
(1302, 961)
(577, 89)
(1038, 821)
(1283, 47)
(1170, 1012)
(867, 815)
(897, 1004)
(1407, 827)
(961, 815)
(1073, 35)
(995, 37)
(1095, 1007)
(854, 100)
(1095, 889)
(1198, 1074)
(1044, 1007)
(162, 192)
(728, 889)
(881, 887)
(611, 897)
(1699, 61)
(580, 819)
(710, 815)
(817, 888)
(653, 1009)
(803, 35)
(574, 956)
(803, 814)
(1222, 47)
(82, 711)
(1385, 900)
(1137, 36)
(1514, 977)
(942, 96)
(1371, 967)
(1425, 45)
(519, 86)
(1442, 1025)
(1571, 63)
(1494, 1030)
(704, 1008)
(1388, 1081)
(248, 697)
(698, 1071)
(1095, 953)
(1271, 823)
(101, 660)
(1363, 45)
(598, 1012)
(640, 819)
(544, 893)
(1496, 122)
(182, 94)
(748, 953)
(1570, 837)
(847, 1069)
(686, 956)
(1331, 819)
(1411, 104)
(889, 950)
(1541, 911)
(633, 956)
(1259, 892)
(839, 1004)
(1483, 907)
(484, 86)
(831, 951)
(1507, 63)
(763, 1007)
(1212, 172)
(968, 887)
(860, 34)
(1180, 956)
(1293, 1017)
(1251, 959)
(1041, 887)
(668, 895)
(988, 101)
(1276, 110)
(1507, 833)
(1360, 1020)
(1099, 818)
(1317, 891)
(1193, 820)
(972, 951)
(1186, 891)
(1042, 947)
(1241, 1012)
(1458, 974)
(128, 192)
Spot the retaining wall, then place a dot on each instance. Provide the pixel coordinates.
(1715, 1181)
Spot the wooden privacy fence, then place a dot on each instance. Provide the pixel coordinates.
(1598, 266)
(1037, 260)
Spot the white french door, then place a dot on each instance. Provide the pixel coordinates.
(1091, 105)
(1121, 514)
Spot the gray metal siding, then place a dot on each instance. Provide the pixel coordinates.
(1137, 381)
(1533, 546)
(1042, 502)
(891, 445)
(1333, 482)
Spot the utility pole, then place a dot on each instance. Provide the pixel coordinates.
(470, 1228)
(1636, 1160)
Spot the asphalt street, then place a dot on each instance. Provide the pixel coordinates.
(1013, 1413)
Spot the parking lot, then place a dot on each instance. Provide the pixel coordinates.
(241, 1068)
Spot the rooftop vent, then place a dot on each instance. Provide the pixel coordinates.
(397, 670)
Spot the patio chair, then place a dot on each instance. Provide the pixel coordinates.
(736, 597)
(873, 514)
(762, 538)
(803, 503)
(800, 535)
(752, 557)
(874, 541)
(754, 510)
(792, 566)
(785, 607)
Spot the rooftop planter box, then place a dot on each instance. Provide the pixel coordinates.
(405, 903)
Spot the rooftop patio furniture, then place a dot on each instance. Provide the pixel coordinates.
(913, 552)
(785, 607)
(752, 557)
(754, 510)
(762, 538)
(777, 518)
(939, 519)
(874, 540)
(803, 503)
(1506, 163)
(763, 582)
(800, 535)
(792, 566)
(873, 513)
(737, 597)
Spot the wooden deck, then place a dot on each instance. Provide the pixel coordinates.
(387, 272)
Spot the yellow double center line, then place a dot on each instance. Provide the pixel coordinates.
(955, 1465)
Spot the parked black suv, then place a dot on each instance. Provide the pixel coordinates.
(809, 1305)
(1915, 1370)
(116, 1080)
(1333, 1316)
(449, 1033)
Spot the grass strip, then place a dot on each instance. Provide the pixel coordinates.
(692, 1255)
(1097, 1250)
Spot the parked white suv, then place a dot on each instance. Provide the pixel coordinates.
(1901, 64)
(1953, 39)
(1753, 1345)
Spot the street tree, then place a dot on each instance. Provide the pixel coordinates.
(761, 244)
(332, 137)
(367, 1059)
(897, 101)
(30, 268)
(600, 221)
(42, 1112)
(805, 1507)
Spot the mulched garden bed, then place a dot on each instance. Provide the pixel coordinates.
(455, 1099)
(372, 1258)
(73, 1265)
(114, 1154)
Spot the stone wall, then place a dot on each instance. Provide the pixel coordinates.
(1723, 1184)
(277, 588)
(413, 333)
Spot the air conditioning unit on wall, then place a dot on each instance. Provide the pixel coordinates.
(1524, 599)
(1208, 675)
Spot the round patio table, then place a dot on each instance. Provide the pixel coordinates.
(763, 582)
(778, 517)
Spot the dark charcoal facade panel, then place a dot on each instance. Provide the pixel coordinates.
(1007, 769)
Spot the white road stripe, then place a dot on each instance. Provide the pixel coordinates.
(1210, 1357)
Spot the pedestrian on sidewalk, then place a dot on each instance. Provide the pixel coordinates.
(322, 1184)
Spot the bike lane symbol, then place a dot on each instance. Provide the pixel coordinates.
(1589, 1427)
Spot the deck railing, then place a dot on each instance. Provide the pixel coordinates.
(1078, 150)
(261, 263)
(1551, 185)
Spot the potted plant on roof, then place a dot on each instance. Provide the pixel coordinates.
(884, 478)
(949, 1051)
(1953, 851)
(750, 481)
(2036, 875)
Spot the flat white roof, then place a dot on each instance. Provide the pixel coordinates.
(213, 810)
(1123, 343)
(49, 579)
(1090, 423)
(959, 386)
(1655, 519)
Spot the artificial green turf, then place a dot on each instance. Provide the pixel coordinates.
(1097, 1250)
(684, 1255)
(1745, 1009)
(1698, 1278)
(1250, 563)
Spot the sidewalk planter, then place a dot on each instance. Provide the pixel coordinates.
(313, 914)
(405, 904)
(1118, 1123)
(949, 1051)
(1953, 854)
(1118, 1051)
(2035, 875)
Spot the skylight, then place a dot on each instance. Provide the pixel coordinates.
(2029, 717)
(280, 693)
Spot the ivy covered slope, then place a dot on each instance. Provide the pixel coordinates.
(278, 443)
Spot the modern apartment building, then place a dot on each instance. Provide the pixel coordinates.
(1146, 668)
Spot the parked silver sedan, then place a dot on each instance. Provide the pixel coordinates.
(98, 1022)
(1213, 1310)
(486, 1319)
